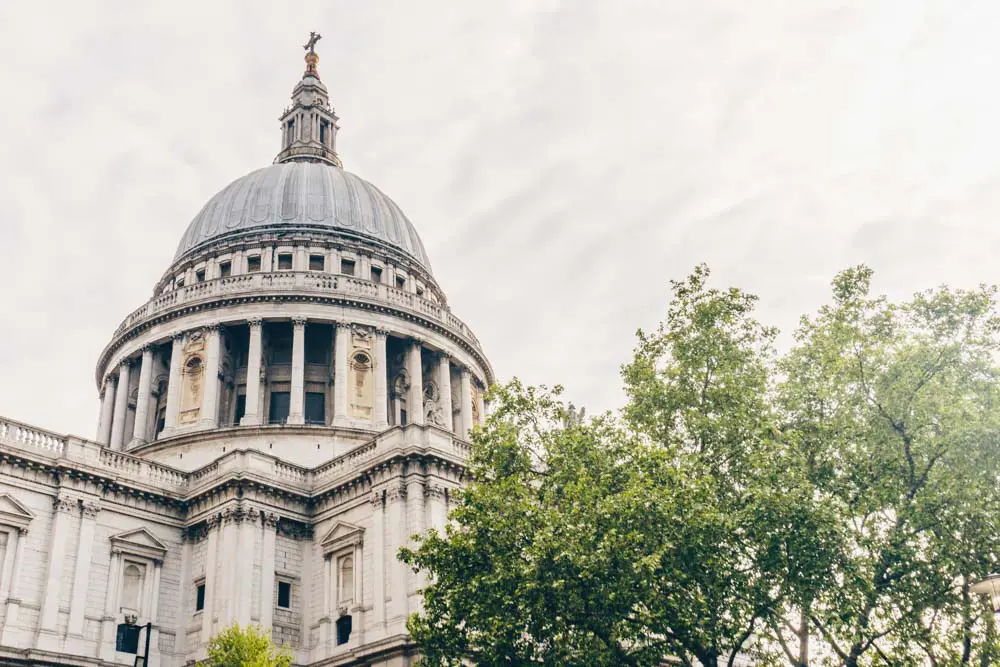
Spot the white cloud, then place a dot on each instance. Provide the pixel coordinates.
(562, 161)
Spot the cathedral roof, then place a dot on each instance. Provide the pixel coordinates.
(303, 196)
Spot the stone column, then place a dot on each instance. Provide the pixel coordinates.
(437, 508)
(64, 509)
(296, 409)
(466, 395)
(301, 261)
(107, 410)
(481, 405)
(210, 393)
(444, 387)
(84, 553)
(121, 405)
(140, 433)
(378, 568)
(398, 537)
(267, 571)
(174, 384)
(342, 333)
(381, 371)
(250, 414)
(211, 569)
(415, 398)
(11, 634)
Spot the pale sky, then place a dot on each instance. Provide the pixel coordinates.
(561, 161)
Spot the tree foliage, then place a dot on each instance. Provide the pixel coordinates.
(828, 506)
(245, 647)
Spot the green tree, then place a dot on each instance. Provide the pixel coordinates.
(245, 647)
(892, 410)
(829, 507)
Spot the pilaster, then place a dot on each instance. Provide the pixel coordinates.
(84, 553)
(342, 334)
(444, 388)
(379, 570)
(466, 395)
(12, 634)
(65, 508)
(381, 371)
(270, 527)
(396, 516)
(414, 368)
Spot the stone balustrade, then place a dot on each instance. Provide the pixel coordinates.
(305, 282)
(127, 468)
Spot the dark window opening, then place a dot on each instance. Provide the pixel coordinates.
(343, 630)
(279, 342)
(253, 264)
(400, 282)
(161, 420)
(291, 130)
(284, 595)
(199, 598)
(225, 269)
(347, 267)
(315, 407)
(317, 340)
(317, 262)
(376, 274)
(402, 417)
(285, 262)
(199, 276)
(241, 409)
(323, 125)
(179, 282)
(278, 411)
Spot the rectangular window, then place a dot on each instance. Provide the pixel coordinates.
(278, 410)
(279, 342)
(199, 276)
(317, 340)
(402, 417)
(315, 407)
(241, 409)
(376, 274)
(347, 267)
(322, 131)
(199, 597)
(400, 282)
(317, 262)
(284, 595)
(225, 269)
(285, 262)
(253, 263)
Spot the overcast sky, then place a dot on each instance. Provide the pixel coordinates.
(561, 161)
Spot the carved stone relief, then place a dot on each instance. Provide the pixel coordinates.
(361, 385)
(192, 383)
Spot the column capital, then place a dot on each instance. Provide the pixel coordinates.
(90, 508)
(214, 326)
(213, 521)
(271, 520)
(299, 321)
(396, 492)
(416, 340)
(178, 336)
(255, 322)
(65, 503)
(127, 362)
(381, 331)
(148, 347)
(378, 501)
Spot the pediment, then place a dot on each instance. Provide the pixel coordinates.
(342, 535)
(139, 542)
(13, 513)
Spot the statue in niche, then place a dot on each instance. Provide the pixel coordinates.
(433, 414)
(361, 385)
(192, 379)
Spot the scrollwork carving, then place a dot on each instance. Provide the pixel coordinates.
(299, 321)
(255, 322)
(67, 504)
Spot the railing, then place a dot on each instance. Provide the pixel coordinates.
(129, 467)
(298, 281)
(28, 437)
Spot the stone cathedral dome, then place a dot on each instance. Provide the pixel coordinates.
(302, 196)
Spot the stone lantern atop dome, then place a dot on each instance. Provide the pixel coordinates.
(309, 127)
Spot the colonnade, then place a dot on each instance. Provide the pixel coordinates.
(115, 399)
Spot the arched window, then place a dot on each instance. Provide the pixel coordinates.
(345, 583)
(132, 587)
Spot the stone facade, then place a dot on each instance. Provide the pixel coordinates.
(289, 408)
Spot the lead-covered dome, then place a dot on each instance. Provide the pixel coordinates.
(306, 196)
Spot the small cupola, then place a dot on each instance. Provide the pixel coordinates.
(309, 126)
